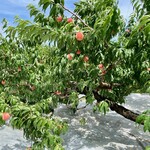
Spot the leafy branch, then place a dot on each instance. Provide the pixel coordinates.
(74, 14)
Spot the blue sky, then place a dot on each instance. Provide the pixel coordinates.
(10, 8)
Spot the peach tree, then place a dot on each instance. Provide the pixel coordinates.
(52, 59)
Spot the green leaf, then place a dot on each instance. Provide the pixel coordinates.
(103, 107)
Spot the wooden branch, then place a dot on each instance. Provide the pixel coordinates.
(118, 108)
(104, 85)
(128, 114)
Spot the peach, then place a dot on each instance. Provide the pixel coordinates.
(100, 66)
(70, 57)
(69, 20)
(59, 19)
(5, 116)
(3, 82)
(86, 58)
(78, 52)
(79, 36)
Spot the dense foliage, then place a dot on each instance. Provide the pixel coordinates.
(53, 59)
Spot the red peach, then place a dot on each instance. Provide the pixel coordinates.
(59, 19)
(69, 20)
(101, 66)
(78, 52)
(3, 82)
(5, 116)
(86, 58)
(79, 36)
(70, 57)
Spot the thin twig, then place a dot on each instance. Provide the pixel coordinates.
(75, 16)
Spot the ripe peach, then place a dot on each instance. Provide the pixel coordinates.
(69, 20)
(70, 57)
(3, 82)
(59, 19)
(79, 36)
(5, 116)
(86, 58)
(101, 66)
(78, 52)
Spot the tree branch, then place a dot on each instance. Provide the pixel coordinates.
(113, 105)
(104, 85)
(128, 114)
(118, 108)
(75, 16)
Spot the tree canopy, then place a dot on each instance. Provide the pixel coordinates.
(52, 59)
